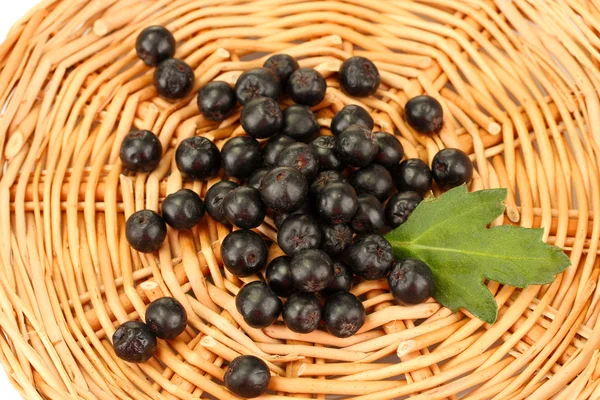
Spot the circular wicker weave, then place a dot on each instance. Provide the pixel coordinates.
(519, 83)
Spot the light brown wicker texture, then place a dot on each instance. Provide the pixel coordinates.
(519, 83)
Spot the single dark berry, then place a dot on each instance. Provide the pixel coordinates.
(337, 203)
(324, 148)
(282, 65)
(141, 151)
(145, 231)
(424, 114)
(284, 189)
(274, 146)
(302, 157)
(335, 238)
(244, 208)
(244, 252)
(359, 77)
(343, 314)
(411, 281)
(325, 179)
(369, 217)
(257, 82)
(343, 278)
(261, 117)
(257, 177)
(154, 45)
(306, 86)
(198, 158)
(312, 270)
(390, 150)
(214, 199)
(451, 168)
(399, 207)
(166, 318)
(134, 342)
(300, 123)
(297, 233)
(302, 312)
(247, 376)
(351, 115)
(174, 79)
(258, 304)
(375, 180)
(183, 209)
(279, 276)
(279, 218)
(241, 156)
(216, 101)
(413, 175)
(370, 257)
(356, 146)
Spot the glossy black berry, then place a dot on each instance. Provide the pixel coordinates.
(258, 304)
(370, 257)
(337, 203)
(343, 314)
(451, 168)
(216, 101)
(300, 123)
(302, 312)
(302, 157)
(298, 232)
(324, 179)
(343, 278)
(359, 77)
(214, 199)
(198, 158)
(257, 82)
(375, 180)
(247, 376)
(306, 86)
(145, 231)
(279, 276)
(241, 156)
(390, 150)
(174, 79)
(335, 238)
(312, 270)
(244, 252)
(257, 177)
(324, 148)
(356, 146)
(261, 117)
(274, 146)
(279, 218)
(370, 216)
(411, 281)
(424, 114)
(183, 209)
(244, 208)
(399, 207)
(154, 45)
(166, 318)
(282, 65)
(141, 151)
(351, 115)
(284, 189)
(134, 342)
(413, 175)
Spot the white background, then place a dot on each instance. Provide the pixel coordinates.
(10, 13)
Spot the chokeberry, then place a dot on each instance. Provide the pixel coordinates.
(302, 157)
(257, 82)
(306, 86)
(284, 189)
(343, 314)
(335, 238)
(324, 179)
(174, 79)
(279, 218)
(261, 117)
(241, 156)
(166, 318)
(214, 199)
(275, 145)
(375, 180)
(244, 208)
(183, 209)
(279, 276)
(370, 257)
(258, 304)
(343, 278)
(244, 252)
(411, 281)
(216, 101)
(413, 175)
(359, 77)
(424, 114)
(145, 231)
(299, 122)
(298, 232)
(400, 206)
(337, 203)
(154, 45)
(302, 312)
(198, 158)
(141, 151)
(312, 270)
(357, 146)
(369, 217)
(351, 115)
(282, 65)
(247, 376)
(451, 168)
(134, 342)
(324, 147)
(390, 150)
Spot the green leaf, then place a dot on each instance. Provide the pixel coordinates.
(449, 234)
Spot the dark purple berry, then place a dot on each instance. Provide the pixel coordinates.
(335, 238)
(214, 199)
(390, 150)
(258, 304)
(134, 342)
(306, 86)
(216, 101)
(274, 146)
(257, 177)
(370, 257)
(325, 179)
(413, 175)
(337, 203)
(247, 377)
(451, 168)
(375, 180)
(411, 281)
(324, 148)
(244, 208)
(284, 189)
(183, 209)
(174, 79)
(257, 82)
(312, 270)
(356, 146)
(302, 157)
(343, 314)
(261, 117)
(424, 114)
(279, 276)
(298, 232)
(351, 115)
(141, 151)
(244, 252)
(166, 318)
(369, 217)
(283, 66)
(241, 156)
(359, 77)
(400, 206)
(198, 158)
(154, 45)
(343, 278)
(300, 123)
(146, 231)
(302, 312)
